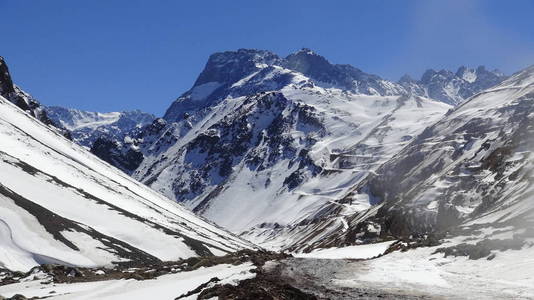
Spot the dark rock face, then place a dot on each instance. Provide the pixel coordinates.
(122, 156)
(6, 84)
(231, 66)
(127, 150)
(262, 288)
(24, 101)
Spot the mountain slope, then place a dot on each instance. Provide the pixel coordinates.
(61, 204)
(469, 176)
(473, 163)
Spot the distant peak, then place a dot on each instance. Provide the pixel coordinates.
(245, 54)
(427, 75)
(307, 56)
(406, 78)
(481, 69)
(305, 51)
(461, 70)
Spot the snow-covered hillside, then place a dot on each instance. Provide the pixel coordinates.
(469, 174)
(60, 204)
(472, 164)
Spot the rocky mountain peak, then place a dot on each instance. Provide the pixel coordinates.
(453, 88)
(467, 74)
(230, 66)
(248, 71)
(431, 75)
(427, 75)
(407, 79)
(310, 63)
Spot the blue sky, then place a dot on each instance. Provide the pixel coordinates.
(109, 55)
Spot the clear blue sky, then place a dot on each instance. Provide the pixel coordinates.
(109, 55)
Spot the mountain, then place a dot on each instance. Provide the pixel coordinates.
(110, 136)
(60, 204)
(223, 71)
(452, 88)
(226, 72)
(257, 124)
(473, 164)
(297, 132)
(86, 126)
(467, 175)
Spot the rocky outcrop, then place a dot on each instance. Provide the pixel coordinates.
(23, 100)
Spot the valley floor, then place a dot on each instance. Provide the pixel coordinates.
(415, 274)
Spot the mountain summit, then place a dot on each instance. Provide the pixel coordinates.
(225, 69)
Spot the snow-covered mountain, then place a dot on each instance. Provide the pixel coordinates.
(110, 136)
(295, 132)
(60, 204)
(467, 175)
(247, 71)
(473, 164)
(86, 126)
(452, 88)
